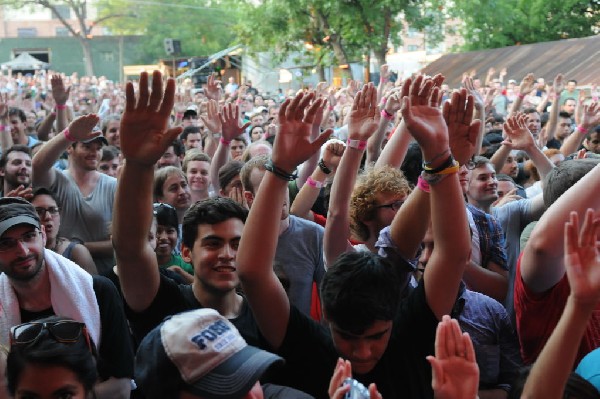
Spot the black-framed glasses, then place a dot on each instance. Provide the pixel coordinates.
(394, 206)
(64, 331)
(7, 244)
(52, 210)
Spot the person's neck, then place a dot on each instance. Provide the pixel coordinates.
(284, 225)
(180, 214)
(370, 243)
(199, 196)
(485, 206)
(228, 304)
(22, 139)
(83, 177)
(34, 295)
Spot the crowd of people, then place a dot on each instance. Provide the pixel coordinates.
(400, 240)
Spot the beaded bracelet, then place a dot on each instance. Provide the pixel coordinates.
(324, 167)
(282, 174)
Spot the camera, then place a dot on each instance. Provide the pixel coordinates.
(357, 390)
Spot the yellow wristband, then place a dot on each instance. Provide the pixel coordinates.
(448, 171)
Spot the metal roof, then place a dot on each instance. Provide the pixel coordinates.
(577, 59)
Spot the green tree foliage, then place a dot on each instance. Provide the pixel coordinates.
(332, 31)
(203, 27)
(500, 23)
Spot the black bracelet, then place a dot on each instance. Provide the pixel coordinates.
(447, 164)
(324, 167)
(282, 174)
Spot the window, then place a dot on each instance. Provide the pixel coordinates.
(411, 32)
(63, 10)
(26, 32)
(107, 56)
(61, 31)
(412, 47)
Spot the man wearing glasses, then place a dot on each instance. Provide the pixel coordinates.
(36, 283)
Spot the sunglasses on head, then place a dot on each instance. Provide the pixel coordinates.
(64, 331)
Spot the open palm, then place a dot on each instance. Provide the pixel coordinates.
(144, 127)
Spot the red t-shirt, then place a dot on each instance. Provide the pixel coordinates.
(538, 313)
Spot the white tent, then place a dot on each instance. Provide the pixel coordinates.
(25, 61)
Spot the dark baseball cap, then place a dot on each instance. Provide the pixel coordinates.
(15, 211)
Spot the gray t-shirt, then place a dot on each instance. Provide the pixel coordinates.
(513, 217)
(86, 218)
(300, 256)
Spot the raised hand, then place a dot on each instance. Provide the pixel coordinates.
(230, 122)
(292, 144)
(321, 90)
(394, 102)
(518, 135)
(334, 149)
(582, 259)
(144, 127)
(478, 99)
(212, 120)
(337, 388)
(423, 118)
(213, 89)
(462, 129)
(364, 115)
(455, 373)
(82, 128)
(591, 115)
(384, 73)
(527, 84)
(60, 94)
(558, 84)
(353, 87)
(22, 192)
(4, 106)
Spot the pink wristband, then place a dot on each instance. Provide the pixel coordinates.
(423, 185)
(594, 99)
(581, 129)
(313, 183)
(552, 96)
(386, 115)
(68, 136)
(53, 114)
(357, 144)
(330, 108)
(224, 142)
(3, 128)
(521, 96)
(61, 106)
(179, 115)
(384, 100)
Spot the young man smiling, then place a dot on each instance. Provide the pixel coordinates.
(211, 228)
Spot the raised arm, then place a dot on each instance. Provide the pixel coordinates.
(221, 154)
(144, 138)
(525, 88)
(557, 88)
(334, 149)
(391, 106)
(448, 214)
(542, 264)
(520, 138)
(548, 376)
(61, 96)
(591, 118)
(311, 163)
(6, 140)
(364, 118)
(79, 130)
(479, 111)
(267, 298)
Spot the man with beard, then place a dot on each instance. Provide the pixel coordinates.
(15, 169)
(36, 283)
(86, 195)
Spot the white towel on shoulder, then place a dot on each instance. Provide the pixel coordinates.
(71, 293)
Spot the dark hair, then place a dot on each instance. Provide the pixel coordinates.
(527, 111)
(359, 289)
(242, 138)
(43, 191)
(109, 153)
(569, 98)
(576, 387)
(18, 112)
(479, 161)
(412, 164)
(209, 211)
(228, 172)
(14, 148)
(572, 80)
(563, 114)
(187, 131)
(564, 176)
(161, 176)
(46, 351)
(166, 215)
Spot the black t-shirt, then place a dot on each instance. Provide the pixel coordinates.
(173, 298)
(402, 372)
(116, 349)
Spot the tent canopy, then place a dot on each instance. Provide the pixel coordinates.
(25, 61)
